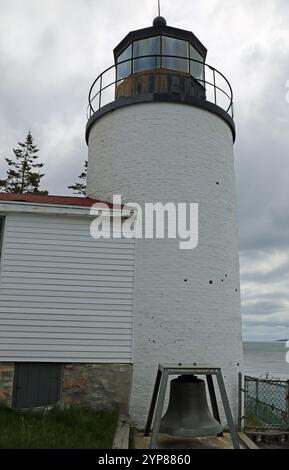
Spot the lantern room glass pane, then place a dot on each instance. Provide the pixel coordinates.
(197, 70)
(124, 70)
(175, 47)
(146, 47)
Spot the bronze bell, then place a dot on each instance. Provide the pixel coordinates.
(188, 414)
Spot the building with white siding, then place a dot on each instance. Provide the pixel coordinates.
(65, 297)
(96, 317)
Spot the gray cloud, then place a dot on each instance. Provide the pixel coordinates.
(51, 51)
(265, 307)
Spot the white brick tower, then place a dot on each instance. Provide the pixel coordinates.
(162, 131)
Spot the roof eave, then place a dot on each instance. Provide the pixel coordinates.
(55, 209)
(160, 30)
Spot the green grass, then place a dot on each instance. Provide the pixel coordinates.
(265, 417)
(253, 422)
(73, 428)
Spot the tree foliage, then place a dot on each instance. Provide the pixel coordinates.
(80, 186)
(23, 173)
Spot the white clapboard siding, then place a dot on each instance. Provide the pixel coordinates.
(64, 297)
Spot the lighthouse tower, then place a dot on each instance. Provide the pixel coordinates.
(161, 130)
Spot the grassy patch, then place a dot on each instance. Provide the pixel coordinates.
(253, 421)
(73, 428)
(265, 417)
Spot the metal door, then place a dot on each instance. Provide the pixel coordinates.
(36, 385)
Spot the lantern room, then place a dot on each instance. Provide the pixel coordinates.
(160, 64)
(160, 59)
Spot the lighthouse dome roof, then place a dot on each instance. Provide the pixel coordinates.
(159, 21)
(160, 28)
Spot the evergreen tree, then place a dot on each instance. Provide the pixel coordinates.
(23, 174)
(80, 186)
(2, 186)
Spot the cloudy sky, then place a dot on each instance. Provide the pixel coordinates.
(52, 50)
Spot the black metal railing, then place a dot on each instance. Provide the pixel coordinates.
(208, 84)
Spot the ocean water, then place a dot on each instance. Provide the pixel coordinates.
(262, 358)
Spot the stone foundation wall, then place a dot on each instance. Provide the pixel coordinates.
(6, 382)
(102, 386)
(97, 385)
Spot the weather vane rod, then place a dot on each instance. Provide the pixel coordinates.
(159, 7)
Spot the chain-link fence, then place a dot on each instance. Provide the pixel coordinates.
(266, 403)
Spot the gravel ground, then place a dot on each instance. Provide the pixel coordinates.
(271, 441)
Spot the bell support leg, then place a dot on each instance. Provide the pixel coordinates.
(159, 409)
(227, 410)
(213, 400)
(153, 403)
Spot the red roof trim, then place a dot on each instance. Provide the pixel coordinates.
(55, 200)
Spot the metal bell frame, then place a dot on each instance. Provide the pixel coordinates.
(158, 397)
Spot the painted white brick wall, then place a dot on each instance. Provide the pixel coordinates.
(176, 153)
